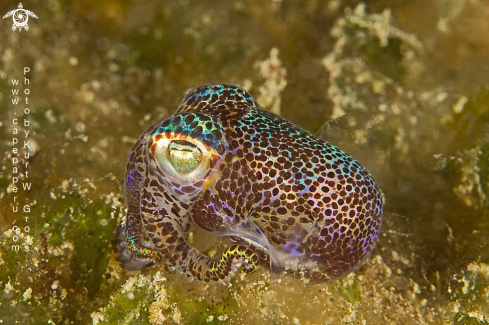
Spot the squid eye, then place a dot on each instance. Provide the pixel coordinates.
(184, 156)
(186, 147)
(183, 161)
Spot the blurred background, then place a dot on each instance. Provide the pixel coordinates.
(399, 84)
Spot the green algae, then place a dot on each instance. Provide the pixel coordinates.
(483, 166)
(386, 59)
(88, 227)
(200, 311)
(125, 309)
(472, 120)
(142, 299)
(471, 296)
(69, 253)
(351, 292)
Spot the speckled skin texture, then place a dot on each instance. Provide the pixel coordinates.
(287, 200)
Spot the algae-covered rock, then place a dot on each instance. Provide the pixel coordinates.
(470, 294)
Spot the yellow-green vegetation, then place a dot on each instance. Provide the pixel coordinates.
(351, 292)
(471, 295)
(201, 311)
(67, 262)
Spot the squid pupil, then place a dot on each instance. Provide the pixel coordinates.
(184, 156)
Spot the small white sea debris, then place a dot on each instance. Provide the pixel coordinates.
(274, 73)
(459, 105)
(97, 317)
(55, 285)
(27, 294)
(222, 318)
